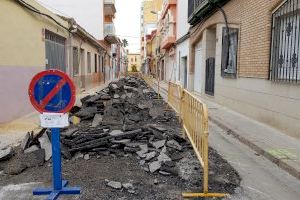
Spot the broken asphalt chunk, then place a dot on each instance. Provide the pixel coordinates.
(174, 144)
(6, 154)
(46, 145)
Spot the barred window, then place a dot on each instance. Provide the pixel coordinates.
(75, 61)
(229, 52)
(89, 64)
(286, 43)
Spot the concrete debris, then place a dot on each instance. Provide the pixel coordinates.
(86, 157)
(78, 155)
(154, 166)
(114, 184)
(69, 132)
(6, 154)
(46, 145)
(15, 167)
(158, 144)
(97, 120)
(31, 149)
(114, 86)
(128, 186)
(34, 158)
(116, 132)
(175, 145)
(25, 141)
(163, 158)
(164, 173)
(150, 155)
(120, 120)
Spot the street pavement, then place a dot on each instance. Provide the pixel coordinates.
(261, 179)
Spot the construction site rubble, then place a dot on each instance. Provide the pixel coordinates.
(128, 124)
(126, 118)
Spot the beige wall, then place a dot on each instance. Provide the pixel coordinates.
(131, 61)
(252, 94)
(22, 54)
(22, 35)
(85, 80)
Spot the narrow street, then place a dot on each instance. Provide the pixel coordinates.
(149, 99)
(135, 143)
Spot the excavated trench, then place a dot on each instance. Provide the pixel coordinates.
(128, 145)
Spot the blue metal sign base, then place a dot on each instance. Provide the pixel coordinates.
(59, 186)
(54, 194)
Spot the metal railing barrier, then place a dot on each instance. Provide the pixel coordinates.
(194, 118)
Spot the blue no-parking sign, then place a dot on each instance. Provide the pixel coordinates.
(53, 92)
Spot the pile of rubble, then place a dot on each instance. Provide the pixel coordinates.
(124, 119)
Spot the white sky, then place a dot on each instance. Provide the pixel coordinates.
(85, 12)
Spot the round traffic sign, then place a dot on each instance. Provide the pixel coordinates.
(52, 91)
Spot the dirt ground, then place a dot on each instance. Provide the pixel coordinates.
(90, 174)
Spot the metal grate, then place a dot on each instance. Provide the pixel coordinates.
(210, 76)
(195, 5)
(55, 51)
(286, 43)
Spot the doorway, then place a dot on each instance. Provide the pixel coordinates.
(185, 72)
(82, 67)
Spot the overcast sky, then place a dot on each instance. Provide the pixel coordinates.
(85, 12)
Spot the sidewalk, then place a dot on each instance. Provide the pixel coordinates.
(281, 149)
(13, 132)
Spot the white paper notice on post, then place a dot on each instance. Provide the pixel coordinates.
(54, 120)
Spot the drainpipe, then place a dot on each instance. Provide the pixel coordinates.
(226, 23)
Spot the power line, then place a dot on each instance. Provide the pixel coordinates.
(50, 7)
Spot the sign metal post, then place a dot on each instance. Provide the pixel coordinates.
(52, 93)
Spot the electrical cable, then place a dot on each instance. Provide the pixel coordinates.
(31, 8)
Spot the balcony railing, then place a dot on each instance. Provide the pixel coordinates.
(109, 1)
(199, 9)
(109, 29)
(196, 5)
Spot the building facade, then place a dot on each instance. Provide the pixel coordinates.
(149, 18)
(167, 31)
(246, 64)
(182, 44)
(35, 42)
(134, 62)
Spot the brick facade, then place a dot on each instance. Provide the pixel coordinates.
(254, 19)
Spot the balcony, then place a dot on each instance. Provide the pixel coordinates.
(199, 9)
(109, 29)
(109, 7)
(166, 6)
(168, 36)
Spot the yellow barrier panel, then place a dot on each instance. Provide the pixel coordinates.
(152, 82)
(194, 116)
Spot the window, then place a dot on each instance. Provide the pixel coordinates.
(55, 51)
(75, 61)
(102, 61)
(135, 59)
(229, 52)
(131, 59)
(96, 66)
(89, 67)
(285, 49)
